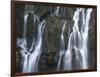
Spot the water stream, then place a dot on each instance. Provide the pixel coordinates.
(78, 41)
(62, 49)
(31, 57)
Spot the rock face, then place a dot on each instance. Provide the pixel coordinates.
(92, 41)
(30, 33)
(52, 32)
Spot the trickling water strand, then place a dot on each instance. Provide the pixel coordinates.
(57, 11)
(62, 46)
(68, 54)
(26, 59)
(78, 41)
(25, 25)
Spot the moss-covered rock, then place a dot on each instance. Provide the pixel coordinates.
(51, 34)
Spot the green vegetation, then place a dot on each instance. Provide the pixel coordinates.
(51, 36)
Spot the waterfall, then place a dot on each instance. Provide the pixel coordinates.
(85, 30)
(35, 56)
(62, 46)
(25, 25)
(78, 41)
(72, 56)
(31, 57)
(57, 10)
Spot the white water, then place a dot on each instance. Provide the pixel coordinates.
(31, 57)
(78, 41)
(57, 11)
(62, 46)
(35, 56)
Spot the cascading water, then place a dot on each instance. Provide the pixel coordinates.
(85, 29)
(35, 56)
(57, 11)
(31, 56)
(78, 41)
(62, 46)
(31, 45)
